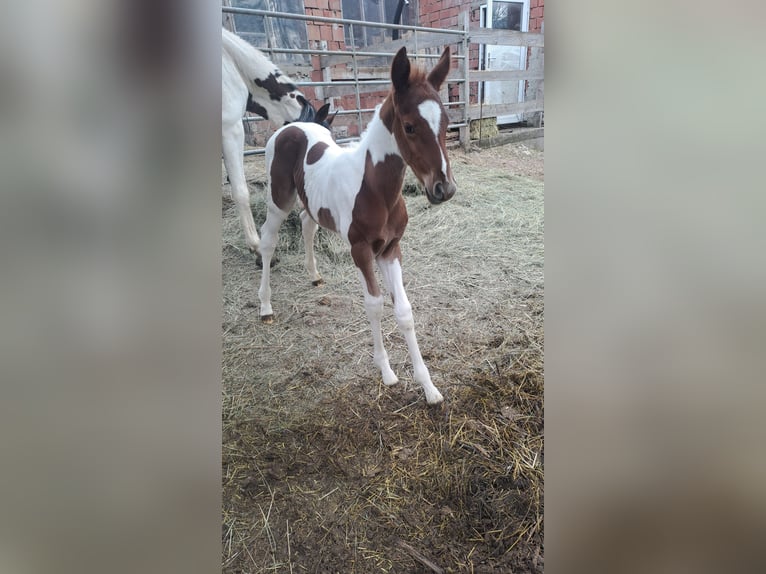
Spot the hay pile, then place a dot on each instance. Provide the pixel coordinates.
(326, 470)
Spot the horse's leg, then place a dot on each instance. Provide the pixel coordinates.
(309, 230)
(391, 271)
(269, 233)
(233, 150)
(373, 304)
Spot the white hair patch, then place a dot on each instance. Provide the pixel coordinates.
(431, 111)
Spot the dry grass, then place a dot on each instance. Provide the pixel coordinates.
(326, 470)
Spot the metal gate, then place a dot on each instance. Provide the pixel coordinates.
(416, 45)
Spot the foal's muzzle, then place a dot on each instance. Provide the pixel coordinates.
(307, 110)
(441, 192)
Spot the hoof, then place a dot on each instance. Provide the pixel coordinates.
(267, 319)
(318, 282)
(390, 379)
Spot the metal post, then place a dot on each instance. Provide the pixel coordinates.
(465, 132)
(356, 77)
(417, 51)
(364, 30)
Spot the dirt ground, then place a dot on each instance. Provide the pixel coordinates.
(327, 470)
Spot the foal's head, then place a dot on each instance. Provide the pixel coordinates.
(320, 116)
(420, 123)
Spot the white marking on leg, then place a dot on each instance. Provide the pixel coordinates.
(432, 113)
(309, 229)
(374, 307)
(391, 272)
(269, 231)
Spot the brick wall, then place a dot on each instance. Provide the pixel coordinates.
(536, 10)
(534, 88)
(442, 13)
(319, 33)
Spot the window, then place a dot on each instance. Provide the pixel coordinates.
(264, 32)
(507, 15)
(375, 11)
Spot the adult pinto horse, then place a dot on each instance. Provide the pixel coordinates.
(250, 81)
(356, 192)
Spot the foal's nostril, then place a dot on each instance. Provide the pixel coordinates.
(439, 191)
(450, 191)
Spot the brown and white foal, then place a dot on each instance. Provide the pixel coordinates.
(356, 192)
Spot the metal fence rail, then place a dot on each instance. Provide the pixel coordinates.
(463, 37)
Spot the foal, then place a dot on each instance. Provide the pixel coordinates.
(356, 192)
(250, 81)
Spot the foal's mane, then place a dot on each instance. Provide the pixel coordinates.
(417, 75)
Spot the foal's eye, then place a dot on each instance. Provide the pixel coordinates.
(409, 129)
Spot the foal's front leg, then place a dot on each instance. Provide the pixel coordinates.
(373, 304)
(391, 270)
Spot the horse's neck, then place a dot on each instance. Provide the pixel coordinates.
(379, 142)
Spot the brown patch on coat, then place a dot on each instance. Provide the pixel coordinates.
(379, 217)
(325, 219)
(387, 113)
(287, 176)
(316, 152)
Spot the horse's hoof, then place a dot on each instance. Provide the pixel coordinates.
(267, 319)
(318, 282)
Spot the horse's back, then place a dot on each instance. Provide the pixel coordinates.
(291, 143)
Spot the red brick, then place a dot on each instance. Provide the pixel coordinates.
(313, 32)
(337, 33)
(326, 33)
(536, 13)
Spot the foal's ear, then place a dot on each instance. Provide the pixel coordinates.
(322, 114)
(400, 70)
(439, 73)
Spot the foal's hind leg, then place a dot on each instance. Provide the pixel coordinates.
(391, 271)
(309, 230)
(233, 149)
(269, 232)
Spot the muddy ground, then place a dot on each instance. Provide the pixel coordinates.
(327, 470)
